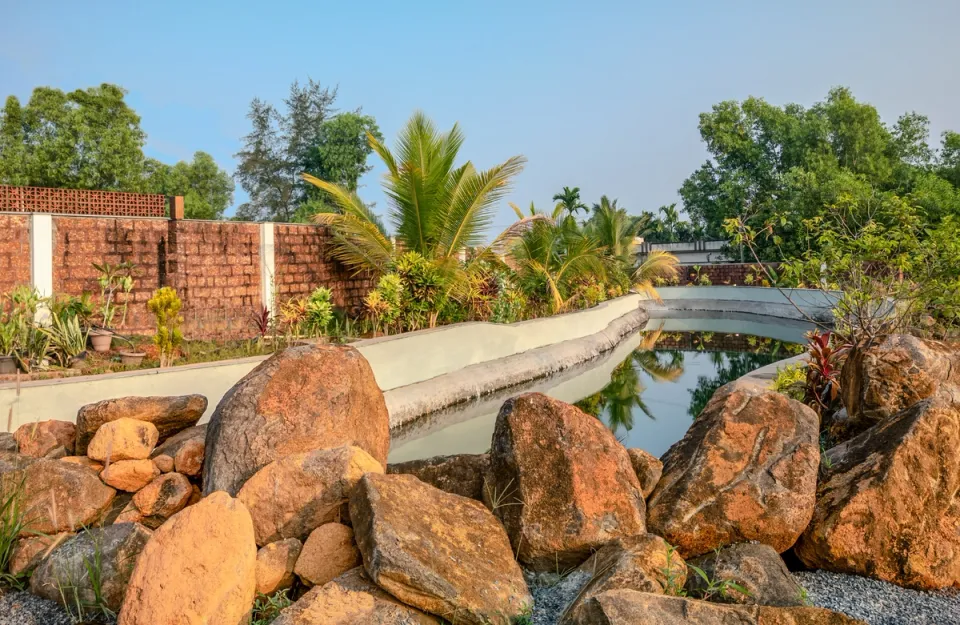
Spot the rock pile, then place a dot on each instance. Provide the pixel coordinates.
(297, 498)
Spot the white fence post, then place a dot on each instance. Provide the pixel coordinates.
(267, 266)
(41, 258)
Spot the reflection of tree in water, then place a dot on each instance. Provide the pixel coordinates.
(624, 393)
(729, 367)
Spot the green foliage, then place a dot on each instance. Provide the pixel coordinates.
(67, 306)
(85, 139)
(672, 586)
(424, 290)
(791, 380)
(303, 137)
(165, 306)
(67, 339)
(568, 201)
(114, 279)
(266, 608)
(668, 227)
(712, 587)
(436, 207)
(551, 259)
(319, 310)
(383, 304)
(13, 523)
(207, 190)
(777, 168)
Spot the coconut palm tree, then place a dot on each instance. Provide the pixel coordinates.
(435, 207)
(549, 258)
(616, 232)
(568, 201)
(533, 211)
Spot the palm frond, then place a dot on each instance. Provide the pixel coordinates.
(471, 209)
(658, 264)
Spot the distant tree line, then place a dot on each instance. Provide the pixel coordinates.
(92, 139)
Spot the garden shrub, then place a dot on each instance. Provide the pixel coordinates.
(319, 310)
(165, 306)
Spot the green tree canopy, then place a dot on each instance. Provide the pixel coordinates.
(85, 139)
(207, 190)
(779, 166)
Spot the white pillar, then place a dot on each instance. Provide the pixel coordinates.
(267, 266)
(41, 258)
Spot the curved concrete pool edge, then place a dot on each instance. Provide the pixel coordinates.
(421, 371)
(407, 403)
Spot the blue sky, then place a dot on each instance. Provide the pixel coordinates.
(602, 95)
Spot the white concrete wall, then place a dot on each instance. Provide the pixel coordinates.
(765, 301)
(417, 356)
(396, 361)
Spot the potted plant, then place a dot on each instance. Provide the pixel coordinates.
(113, 279)
(68, 340)
(8, 338)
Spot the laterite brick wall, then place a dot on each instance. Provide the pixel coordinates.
(14, 251)
(215, 266)
(302, 265)
(78, 242)
(217, 276)
(728, 274)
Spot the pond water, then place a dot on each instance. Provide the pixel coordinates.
(647, 390)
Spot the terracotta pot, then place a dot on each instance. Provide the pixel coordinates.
(101, 340)
(7, 365)
(131, 359)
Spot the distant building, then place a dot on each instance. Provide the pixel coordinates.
(695, 253)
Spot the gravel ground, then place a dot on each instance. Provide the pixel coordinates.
(880, 603)
(23, 608)
(551, 594)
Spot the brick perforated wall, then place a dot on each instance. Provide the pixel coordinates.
(303, 263)
(80, 202)
(14, 251)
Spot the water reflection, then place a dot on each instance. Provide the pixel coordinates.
(645, 389)
(661, 358)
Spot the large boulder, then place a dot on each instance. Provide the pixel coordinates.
(352, 599)
(461, 474)
(441, 553)
(560, 482)
(199, 568)
(168, 414)
(328, 552)
(59, 496)
(65, 577)
(294, 495)
(648, 469)
(644, 563)
(629, 607)
(123, 439)
(41, 438)
(884, 379)
(745, 471)
(304, 398)
(275, 564)
(757, 569)
(887, 506)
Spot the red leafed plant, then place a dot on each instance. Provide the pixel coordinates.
(824, 361)
(261, 320)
